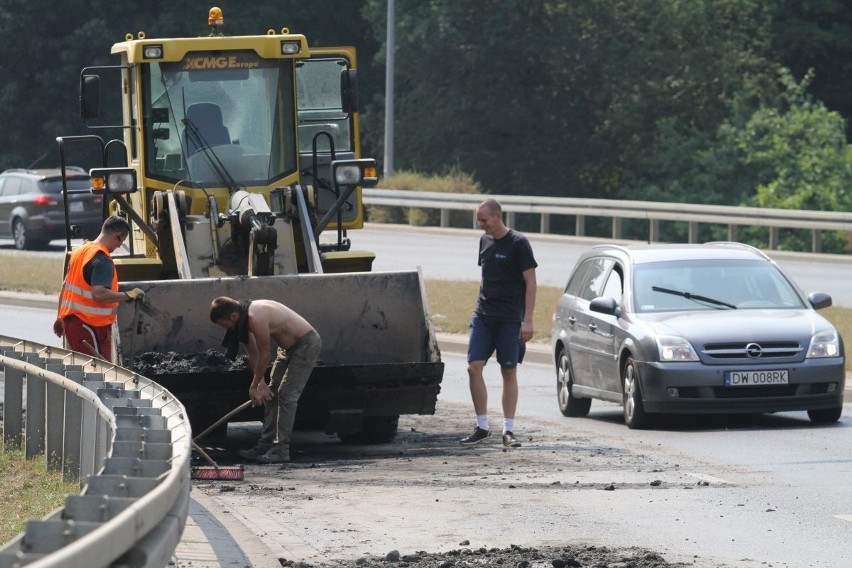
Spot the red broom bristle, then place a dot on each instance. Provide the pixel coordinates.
(229, 473)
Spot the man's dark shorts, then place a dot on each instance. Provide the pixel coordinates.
(489, 334)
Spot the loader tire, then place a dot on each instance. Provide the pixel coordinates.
(375, 430)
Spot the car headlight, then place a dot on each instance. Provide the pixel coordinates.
(675, 348)
(824, 344)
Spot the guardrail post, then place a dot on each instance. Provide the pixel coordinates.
(580, 229)
(653, 230)
(72, 439)
(616, 227)
(732, 232)
(34, 438)
(13, 407)
(475, 222)
(510, 218)
(445, 218)
(55, 418)
(693, 232)
(816, 240)
(544, 225)
(773, 238)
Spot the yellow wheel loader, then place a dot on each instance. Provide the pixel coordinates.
(239, 170)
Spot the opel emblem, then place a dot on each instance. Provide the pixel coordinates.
(753, 350)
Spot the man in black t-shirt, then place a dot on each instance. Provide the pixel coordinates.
(502, 319)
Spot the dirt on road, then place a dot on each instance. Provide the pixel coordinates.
(424, 501)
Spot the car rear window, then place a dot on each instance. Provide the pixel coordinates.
(55, 185)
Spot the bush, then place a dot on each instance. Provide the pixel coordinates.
(453, 182)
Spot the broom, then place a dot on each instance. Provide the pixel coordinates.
(214, 470)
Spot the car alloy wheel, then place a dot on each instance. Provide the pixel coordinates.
(19, 234)
(634, 410)
(569, 405)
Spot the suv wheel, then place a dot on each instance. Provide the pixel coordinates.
(20, 235)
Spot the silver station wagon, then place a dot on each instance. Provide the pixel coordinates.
(690, 329)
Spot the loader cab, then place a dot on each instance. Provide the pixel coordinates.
(238, 120)
(219, 121)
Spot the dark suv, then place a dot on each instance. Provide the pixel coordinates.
(31, 208)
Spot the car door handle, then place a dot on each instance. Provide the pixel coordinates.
(593, 328)
(572, 320)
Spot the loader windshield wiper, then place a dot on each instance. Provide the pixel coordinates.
(210, 155)
(694, 297)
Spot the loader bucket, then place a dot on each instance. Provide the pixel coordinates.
(379, 358)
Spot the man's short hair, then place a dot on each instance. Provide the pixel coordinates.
(116, 224)
(222, 308)
(492, 205)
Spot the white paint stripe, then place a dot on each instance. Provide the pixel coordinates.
(709, 478)
(844, 517)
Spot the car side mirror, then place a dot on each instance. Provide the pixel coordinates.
(819, 300)
(605, 306)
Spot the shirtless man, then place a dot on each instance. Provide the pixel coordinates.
(257, 323)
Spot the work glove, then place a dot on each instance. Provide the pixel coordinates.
(135, 294)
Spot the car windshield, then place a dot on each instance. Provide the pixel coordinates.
(711, 285)
(220, 121)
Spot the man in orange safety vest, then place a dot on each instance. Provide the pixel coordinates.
(89, 297)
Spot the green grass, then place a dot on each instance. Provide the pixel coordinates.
(452, 304)
(39, 273)
(28, 491)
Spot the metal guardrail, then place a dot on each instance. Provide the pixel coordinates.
(125, 435)
(618, 210)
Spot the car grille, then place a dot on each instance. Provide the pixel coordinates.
(753, 350)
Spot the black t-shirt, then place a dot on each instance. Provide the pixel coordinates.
(98, 271)
(503, 261)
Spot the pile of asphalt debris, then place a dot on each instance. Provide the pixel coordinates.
(153, 364)
(584, 556)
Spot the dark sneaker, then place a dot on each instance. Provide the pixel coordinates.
(509, 440)
(275, 454)
(478, 435)
(254, 453)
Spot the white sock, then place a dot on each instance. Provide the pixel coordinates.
(508, 425)
(482, 421)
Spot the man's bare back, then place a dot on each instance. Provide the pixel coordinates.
(284, 326)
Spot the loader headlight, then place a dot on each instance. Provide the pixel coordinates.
(152, 52)
(356, 172)
(290, 47)
(113, 180)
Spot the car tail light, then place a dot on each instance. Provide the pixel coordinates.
(43, 200)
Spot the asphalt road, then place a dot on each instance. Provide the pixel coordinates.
(777, 490)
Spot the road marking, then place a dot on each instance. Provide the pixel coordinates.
(844, 517)
(709, 478)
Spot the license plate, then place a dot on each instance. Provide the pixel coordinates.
(75, 207)
(756, 378)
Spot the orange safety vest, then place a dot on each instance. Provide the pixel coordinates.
(76, 296)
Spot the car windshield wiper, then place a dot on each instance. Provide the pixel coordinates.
(696, 297)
